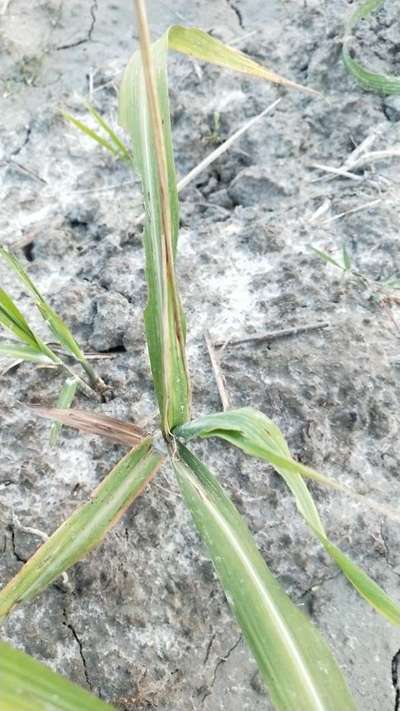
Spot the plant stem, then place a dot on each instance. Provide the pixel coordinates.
(96, 382)
(169, 287)
(87, 389)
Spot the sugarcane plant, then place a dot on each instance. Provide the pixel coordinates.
(295, 662)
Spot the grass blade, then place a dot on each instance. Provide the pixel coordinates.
(116, 147)
(60, 330)
(120, 146)
(346, 258)
(327, 258)
(64, 401)
(84, 128)
(53, 320)
(365, 586)
(85, 528)
(200, 45)
(23, 352)
(56, 324)
(295, 663)
(28, 685)
(16, 267)
(380, 83)
(258, 436)
(12, 319)
(392, 283)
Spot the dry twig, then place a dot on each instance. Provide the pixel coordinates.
(218, 375)
(273, 335)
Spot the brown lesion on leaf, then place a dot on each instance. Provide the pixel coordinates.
(96, 423)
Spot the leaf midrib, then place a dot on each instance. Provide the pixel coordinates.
(267, 601)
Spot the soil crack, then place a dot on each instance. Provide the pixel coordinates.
(13, 546)
(93, 17)
(317, 584)
(395, 679)
(221, 661)
(67, 622)
(208, 650)
(387, 551)
(237, 12)
(93, 14)
(24, 142)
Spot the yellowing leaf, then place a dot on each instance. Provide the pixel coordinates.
(202, 46)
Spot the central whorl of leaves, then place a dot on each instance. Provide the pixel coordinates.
(144, 113)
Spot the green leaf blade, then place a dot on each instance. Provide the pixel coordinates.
(119, 145)
(256, 435)
(384, 84)
(13, 320)
(85, 528)
(55, 323)
(28, 685)
(65, 400)
(365, 586)
(87, 131)
(24, 352)
(293, 659)
(60, 330)
(391, 283)
(327, 258)
(15, 265)
(346, 258)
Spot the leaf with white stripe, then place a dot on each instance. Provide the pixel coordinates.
(294, 660)
(257, 435)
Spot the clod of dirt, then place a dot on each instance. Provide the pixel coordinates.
(255, 186)
(391, 107)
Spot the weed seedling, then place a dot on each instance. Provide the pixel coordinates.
(295, 662)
